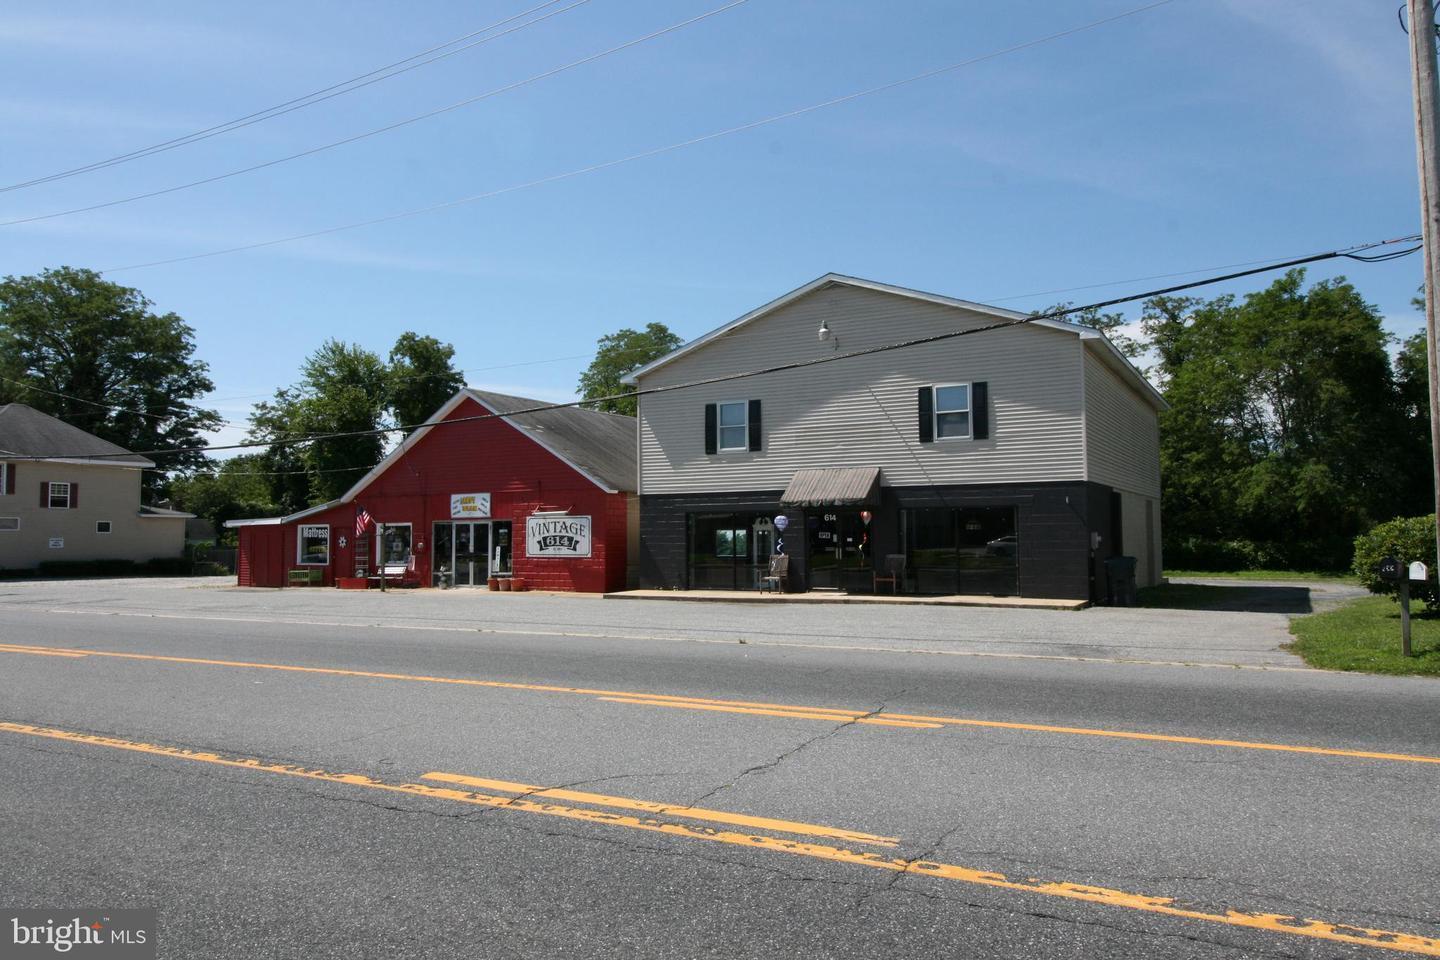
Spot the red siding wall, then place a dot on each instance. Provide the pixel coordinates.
(486, 456)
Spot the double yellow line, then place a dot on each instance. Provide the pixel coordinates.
(539, 801)
(746, 707)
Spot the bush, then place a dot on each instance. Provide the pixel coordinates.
(1199, 553)
(86, 568)
(1406, 539)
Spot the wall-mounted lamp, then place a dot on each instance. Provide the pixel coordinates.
(825, 336)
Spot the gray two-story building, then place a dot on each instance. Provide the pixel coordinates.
(1012, 461)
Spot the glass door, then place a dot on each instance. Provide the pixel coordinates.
(839, 550)
(463, 551)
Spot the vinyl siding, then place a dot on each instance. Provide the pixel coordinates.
(862, 412)
(1122, 432)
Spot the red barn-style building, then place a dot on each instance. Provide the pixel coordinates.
(547, 496)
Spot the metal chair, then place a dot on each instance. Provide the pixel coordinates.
(778, 579)
(893, 573)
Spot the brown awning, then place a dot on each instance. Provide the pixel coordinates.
(837, 487)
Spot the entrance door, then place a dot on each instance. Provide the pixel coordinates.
(839, 550)
(463, 549)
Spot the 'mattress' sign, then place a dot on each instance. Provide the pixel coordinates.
(557, 536)
(469, 506)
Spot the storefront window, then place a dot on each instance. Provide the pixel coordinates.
(728, 551)
(969, 550)
(395, 544)
(313, 545)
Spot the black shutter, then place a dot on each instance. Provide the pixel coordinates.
(712, 429)
(927, 415)
(44, 493)
(980, 410)
(74, 495)
(755, 435)
(9, 478)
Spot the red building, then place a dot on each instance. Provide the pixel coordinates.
(483, 490)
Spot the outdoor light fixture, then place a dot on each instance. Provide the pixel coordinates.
(824, 332)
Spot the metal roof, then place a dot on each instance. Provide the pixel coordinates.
(26, 432)
(833, 487)
(602, 445)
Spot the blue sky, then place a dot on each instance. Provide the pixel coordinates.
(1193, 135)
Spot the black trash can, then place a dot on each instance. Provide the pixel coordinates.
(1120, 581)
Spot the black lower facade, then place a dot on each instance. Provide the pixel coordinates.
(1031, 540)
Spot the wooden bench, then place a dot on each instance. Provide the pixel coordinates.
(306, 577)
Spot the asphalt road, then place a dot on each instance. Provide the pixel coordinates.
(288, 774)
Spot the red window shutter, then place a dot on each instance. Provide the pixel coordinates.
(44, 493)
(74, 495)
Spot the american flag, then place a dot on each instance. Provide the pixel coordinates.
(362, 520)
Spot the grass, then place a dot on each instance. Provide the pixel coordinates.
(1264, 574)
(1364, 635)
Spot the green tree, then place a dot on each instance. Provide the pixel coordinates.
(422, 377)
(1284, 416)
(93, 353)
(1110, 324)
(234, 489)
(343, 389)
(616, 355)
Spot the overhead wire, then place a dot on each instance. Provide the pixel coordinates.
(497, 91)
(1352, 253)
(309, 99)
(653, 152)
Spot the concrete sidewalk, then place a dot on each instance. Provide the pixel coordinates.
(754, 596)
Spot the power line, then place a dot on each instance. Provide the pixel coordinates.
(378, 130)
(657, 151)
(310, 99)
(112, 406)
(1352, 253)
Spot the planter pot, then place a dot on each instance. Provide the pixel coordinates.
(504, 584)
(352, 583)
(494, 583)
(518, 583)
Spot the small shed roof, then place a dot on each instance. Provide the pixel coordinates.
(26, 432)
(834, 487)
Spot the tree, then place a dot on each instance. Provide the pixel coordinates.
(616, 355)
(422, 377)
(1285, 419)
(94, 354)
(1110, 324)
(343, 390)
(237, 488)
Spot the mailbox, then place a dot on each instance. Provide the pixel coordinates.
(1418, 571)
(1391, 569)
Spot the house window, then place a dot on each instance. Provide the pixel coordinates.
(952, 411)
(732, 543)
(102, 526)
(394, 544)
(9, 524)
(734, 426)
(313, 545)
(59, 496)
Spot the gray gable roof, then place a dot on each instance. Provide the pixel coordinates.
(601, 444)
(26, 432)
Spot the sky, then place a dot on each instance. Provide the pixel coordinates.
(1186, 137)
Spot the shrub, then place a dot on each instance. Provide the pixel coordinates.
(86, 568)
(1406, 539)
(1199, 553)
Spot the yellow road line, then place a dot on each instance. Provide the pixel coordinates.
(1168, 906)
(795, 711)
(797, 714)
(647, 806)
(41, 651)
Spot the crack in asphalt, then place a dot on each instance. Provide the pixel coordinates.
(808, 742)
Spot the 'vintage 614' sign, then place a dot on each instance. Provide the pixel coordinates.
(557, 536)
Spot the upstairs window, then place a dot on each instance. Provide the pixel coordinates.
(58, 496)
(952, 411)
(732, 426)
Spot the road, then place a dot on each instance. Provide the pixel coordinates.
(288, 774)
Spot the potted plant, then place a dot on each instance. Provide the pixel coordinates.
(504, 584)
(518, 583)
(494, 583)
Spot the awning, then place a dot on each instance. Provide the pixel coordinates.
(836, 487)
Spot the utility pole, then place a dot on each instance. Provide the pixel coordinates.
(1427, 129)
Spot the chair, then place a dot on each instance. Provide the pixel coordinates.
(778, 578)
(892, 573)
